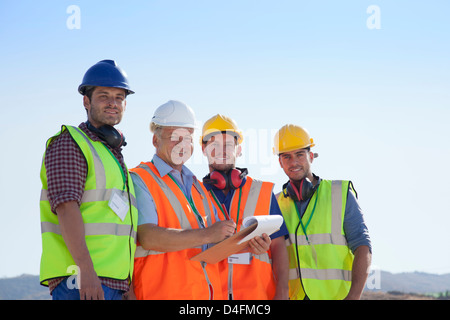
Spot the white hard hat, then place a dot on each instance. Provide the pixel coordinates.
(174, 114)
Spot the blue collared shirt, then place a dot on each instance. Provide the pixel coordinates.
(145, 204)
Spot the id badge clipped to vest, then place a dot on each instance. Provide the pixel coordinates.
(119, 203)
(240, 258)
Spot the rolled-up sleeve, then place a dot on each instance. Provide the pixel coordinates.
(356, 231)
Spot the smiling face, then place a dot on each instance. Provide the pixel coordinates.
(174, 145)
(297, 164)
(106, 106)
(221, 151)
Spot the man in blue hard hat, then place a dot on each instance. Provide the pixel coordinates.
(88, 206)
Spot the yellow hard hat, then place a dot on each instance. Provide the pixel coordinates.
(291, 137)
(220, 124)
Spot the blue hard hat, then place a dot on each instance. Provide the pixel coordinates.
(105, 73)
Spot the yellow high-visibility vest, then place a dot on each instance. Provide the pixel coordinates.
(110, 240)
(322, 252)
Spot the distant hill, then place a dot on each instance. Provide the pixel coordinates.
(411, 282)
(24, 287)
(388, 286)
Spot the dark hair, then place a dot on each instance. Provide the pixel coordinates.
(89, 91)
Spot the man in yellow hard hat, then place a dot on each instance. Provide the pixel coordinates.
(329, 244)
(261, 273)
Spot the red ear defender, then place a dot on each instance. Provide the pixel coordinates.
(229, 180)
(235, 179)
(218, 179)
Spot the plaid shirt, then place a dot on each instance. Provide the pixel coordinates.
(66, 177)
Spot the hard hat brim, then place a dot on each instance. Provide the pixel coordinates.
(82, 88)
(175, 124)
(279, 152)
(210, 133)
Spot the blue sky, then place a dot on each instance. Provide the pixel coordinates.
(376, 101)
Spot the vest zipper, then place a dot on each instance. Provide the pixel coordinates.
(230, 281)
(210, 287)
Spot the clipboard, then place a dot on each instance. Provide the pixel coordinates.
(253, 226)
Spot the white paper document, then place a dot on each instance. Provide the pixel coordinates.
(265, 224)
(233, 246)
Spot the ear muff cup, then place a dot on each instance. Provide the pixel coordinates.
(219, 179)
(234, 178)
(305, 191)
(113, 137)
(226, 180)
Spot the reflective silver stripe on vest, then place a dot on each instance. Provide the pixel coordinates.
(175, 203)
(336, 208)
(322, 274)
(205, 202)
(249, 210)
(141, 252)
(100, 176)
(321, 238)
(92, 196)
(94, 229)
(263, 257)
(252, 199)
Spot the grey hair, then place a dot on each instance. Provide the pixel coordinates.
(156, 129)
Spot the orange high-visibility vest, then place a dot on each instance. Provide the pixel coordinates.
(254, 281)
(172, 275)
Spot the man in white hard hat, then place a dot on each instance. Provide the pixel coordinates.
(176, 217)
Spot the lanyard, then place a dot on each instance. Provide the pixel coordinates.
(309, 220)
(190, 201)
(224, 209)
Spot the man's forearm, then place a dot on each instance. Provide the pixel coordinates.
(153, 237)
(280, 262)
(360, 271)
(72, 230)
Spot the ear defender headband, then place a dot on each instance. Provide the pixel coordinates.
(232, 179)
(304, 192)
(113, 137)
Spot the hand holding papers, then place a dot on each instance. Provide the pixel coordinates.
(264, 224)
(251, 227)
